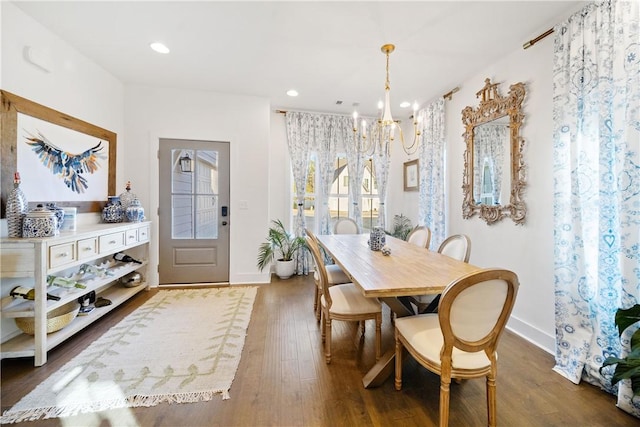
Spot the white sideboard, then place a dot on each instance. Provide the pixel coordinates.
(28, 262)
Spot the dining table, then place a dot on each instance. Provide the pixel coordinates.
(408, 270)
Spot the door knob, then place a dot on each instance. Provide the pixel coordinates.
(224, 222)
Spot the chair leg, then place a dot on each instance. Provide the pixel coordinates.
(491, 400)
(316, 305)
(327, 341)
(445, 383)
(323, 328)
(398, 361)
(362, 326)
(378, 335)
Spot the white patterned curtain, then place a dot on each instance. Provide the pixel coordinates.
(300, 134)
(490, 143)
(327, 139)
(596, 114)
(355, 163)
(381, 162)
(432, 208)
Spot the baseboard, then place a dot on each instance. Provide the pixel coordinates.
(534, 335)
(251, 279)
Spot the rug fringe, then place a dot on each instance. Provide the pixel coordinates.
(9, 416)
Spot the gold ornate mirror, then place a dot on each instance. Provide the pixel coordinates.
(493, 180)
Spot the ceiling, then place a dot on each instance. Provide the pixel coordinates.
(327, 51)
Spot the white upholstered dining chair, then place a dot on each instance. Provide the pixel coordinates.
(460, 341)
(345, 226)
(343, 302)
(420, 236)
(335, 276)
(457, 246)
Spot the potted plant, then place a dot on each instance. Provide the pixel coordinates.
(628, 367)
(281, 246)
(401, 227)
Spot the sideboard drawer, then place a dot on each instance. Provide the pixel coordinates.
(131, 237)
(143, 234)
(62, 254)
(87, 248)
(110, 242)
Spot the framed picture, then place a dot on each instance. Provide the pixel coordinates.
(60, 158)
(411, 175)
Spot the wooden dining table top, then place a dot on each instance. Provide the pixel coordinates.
(408, 270)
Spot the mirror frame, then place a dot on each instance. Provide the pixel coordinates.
(494, 106)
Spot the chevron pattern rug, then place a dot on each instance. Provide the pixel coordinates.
(181, 346)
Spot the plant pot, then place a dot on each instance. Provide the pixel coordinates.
(285, 269)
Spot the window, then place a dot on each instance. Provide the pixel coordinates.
(339, 193)
(309, 194)
(338, 200)
(370, 199)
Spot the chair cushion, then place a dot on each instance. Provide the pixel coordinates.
(336, 275)
(424, 334)
(347, 299)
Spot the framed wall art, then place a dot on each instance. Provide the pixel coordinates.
(411, 175)
(60, 158)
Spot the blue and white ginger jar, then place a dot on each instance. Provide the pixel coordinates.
(135, 211)
(112, 211)
(40, 222)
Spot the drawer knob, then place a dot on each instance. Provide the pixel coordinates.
(86, 249)
(112, 242)
(63, 254)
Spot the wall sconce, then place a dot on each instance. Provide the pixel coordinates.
(185, 163)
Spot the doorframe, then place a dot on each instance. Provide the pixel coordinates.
(156, 194)
(153, 276)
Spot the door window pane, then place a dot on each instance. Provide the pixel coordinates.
(206, 217)
(182, 217)
(194, 206)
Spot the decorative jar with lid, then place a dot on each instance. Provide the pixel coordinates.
(59, 212)
(40, 222)
(135, 211)
(112, 211)
(377, 238)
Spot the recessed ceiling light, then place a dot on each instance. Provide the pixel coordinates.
(159, 47)
(292, 92)
(405, 104)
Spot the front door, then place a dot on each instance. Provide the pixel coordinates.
(194, 211)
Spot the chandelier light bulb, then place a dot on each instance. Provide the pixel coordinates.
(380, 105)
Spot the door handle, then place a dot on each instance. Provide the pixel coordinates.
(224, 223)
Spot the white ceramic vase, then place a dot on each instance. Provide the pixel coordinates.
(285, 269)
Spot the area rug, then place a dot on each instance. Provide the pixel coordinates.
(180, 346)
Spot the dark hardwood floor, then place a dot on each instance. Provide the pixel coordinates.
(282, 380)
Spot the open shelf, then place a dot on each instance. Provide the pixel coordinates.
(23, 345)
(33, 260)
(25, 308)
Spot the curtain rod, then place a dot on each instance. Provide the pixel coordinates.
(530, 43)
(447, 95)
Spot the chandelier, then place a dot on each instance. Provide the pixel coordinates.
(384, 130)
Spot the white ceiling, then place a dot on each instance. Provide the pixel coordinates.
(328, 51)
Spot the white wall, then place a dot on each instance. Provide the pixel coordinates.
(526, 249)
(78, 87)
(74, 85)
(259, 161)
(154, 113)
